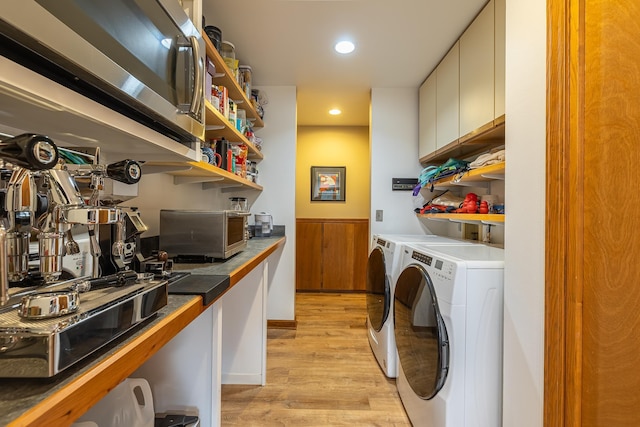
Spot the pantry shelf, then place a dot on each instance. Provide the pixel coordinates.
(474, 177)
(204, 173)
(489, 219)
(218, 126)
(225, 77)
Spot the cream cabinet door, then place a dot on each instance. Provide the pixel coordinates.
(477, 90)
(500, 22)
(427, 117)
(447, 97)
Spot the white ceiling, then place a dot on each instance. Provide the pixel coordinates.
(290, 42)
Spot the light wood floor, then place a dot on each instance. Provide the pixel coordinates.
(322, 374)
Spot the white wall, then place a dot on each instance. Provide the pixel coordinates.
(524, 227)
(394, 154)
(277, 175)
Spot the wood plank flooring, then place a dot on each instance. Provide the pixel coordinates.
(321, 374)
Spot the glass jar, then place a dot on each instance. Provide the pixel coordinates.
(238, 204)
(227, 50)
(245, 79)
(228, 53)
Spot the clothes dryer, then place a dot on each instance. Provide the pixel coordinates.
(448, 317)
(382, 269)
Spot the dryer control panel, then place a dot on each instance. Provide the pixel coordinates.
(439, 268)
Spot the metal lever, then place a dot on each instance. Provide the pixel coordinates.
(30, 151)
(119, 279)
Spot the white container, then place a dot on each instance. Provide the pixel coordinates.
(130, 404)
(263, 224)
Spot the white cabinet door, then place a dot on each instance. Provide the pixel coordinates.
(427, 117)
(184, 375)
(477, 91)
(500, 20)
(447, 97)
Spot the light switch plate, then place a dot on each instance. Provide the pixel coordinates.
(379, 215)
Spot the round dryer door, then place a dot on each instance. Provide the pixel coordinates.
(421, 335)
(378, 290)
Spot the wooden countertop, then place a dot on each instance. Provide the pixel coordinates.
(61, 400)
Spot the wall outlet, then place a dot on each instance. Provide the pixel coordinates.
(379, 215)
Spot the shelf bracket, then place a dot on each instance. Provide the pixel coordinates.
(481, 184)
(430, 218)
(499, 176)
(465, 221)
(219, 75)
(214, 127)
(240, 101)
(230, 187)
(178, 180)
(151, 169)
(492, 223)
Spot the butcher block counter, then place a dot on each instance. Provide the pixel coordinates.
(60, 400)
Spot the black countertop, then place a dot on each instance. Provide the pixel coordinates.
(255, 246)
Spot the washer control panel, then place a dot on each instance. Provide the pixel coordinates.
(439, 268)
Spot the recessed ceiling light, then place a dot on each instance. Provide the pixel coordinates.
(345, 47)
(335, 112)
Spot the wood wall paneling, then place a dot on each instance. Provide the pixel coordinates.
(331, 254)
(591, 351)
(308, 255)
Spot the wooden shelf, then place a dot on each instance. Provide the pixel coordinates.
(225, 77)
(193, 172)
(474, 143)
(218, 126)
(490, 219)
(474, 177)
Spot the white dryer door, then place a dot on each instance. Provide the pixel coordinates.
(378, 289)
(421, 335)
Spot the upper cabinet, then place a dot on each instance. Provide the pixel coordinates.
(427, 116)
(499, 52)
(475, 67)
(447, 98)
(477, 85)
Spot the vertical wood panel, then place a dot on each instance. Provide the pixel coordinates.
(592, 316)
(611, 315)
(338, 256)
(331, 254)
(361, 255)
(308, 255)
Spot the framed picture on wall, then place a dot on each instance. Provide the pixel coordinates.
(328, 183)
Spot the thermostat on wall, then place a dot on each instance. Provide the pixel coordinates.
(403, 184)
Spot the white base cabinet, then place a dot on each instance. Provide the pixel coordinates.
(226, 344)
(244, 331)
(184, 375)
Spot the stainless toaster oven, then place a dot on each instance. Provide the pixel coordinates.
(209, 234)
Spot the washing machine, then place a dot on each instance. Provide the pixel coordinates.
(382, 269)
(448, 317)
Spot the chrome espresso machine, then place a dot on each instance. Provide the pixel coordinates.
(49, 321)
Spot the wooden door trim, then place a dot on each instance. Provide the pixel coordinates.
(564, 220)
